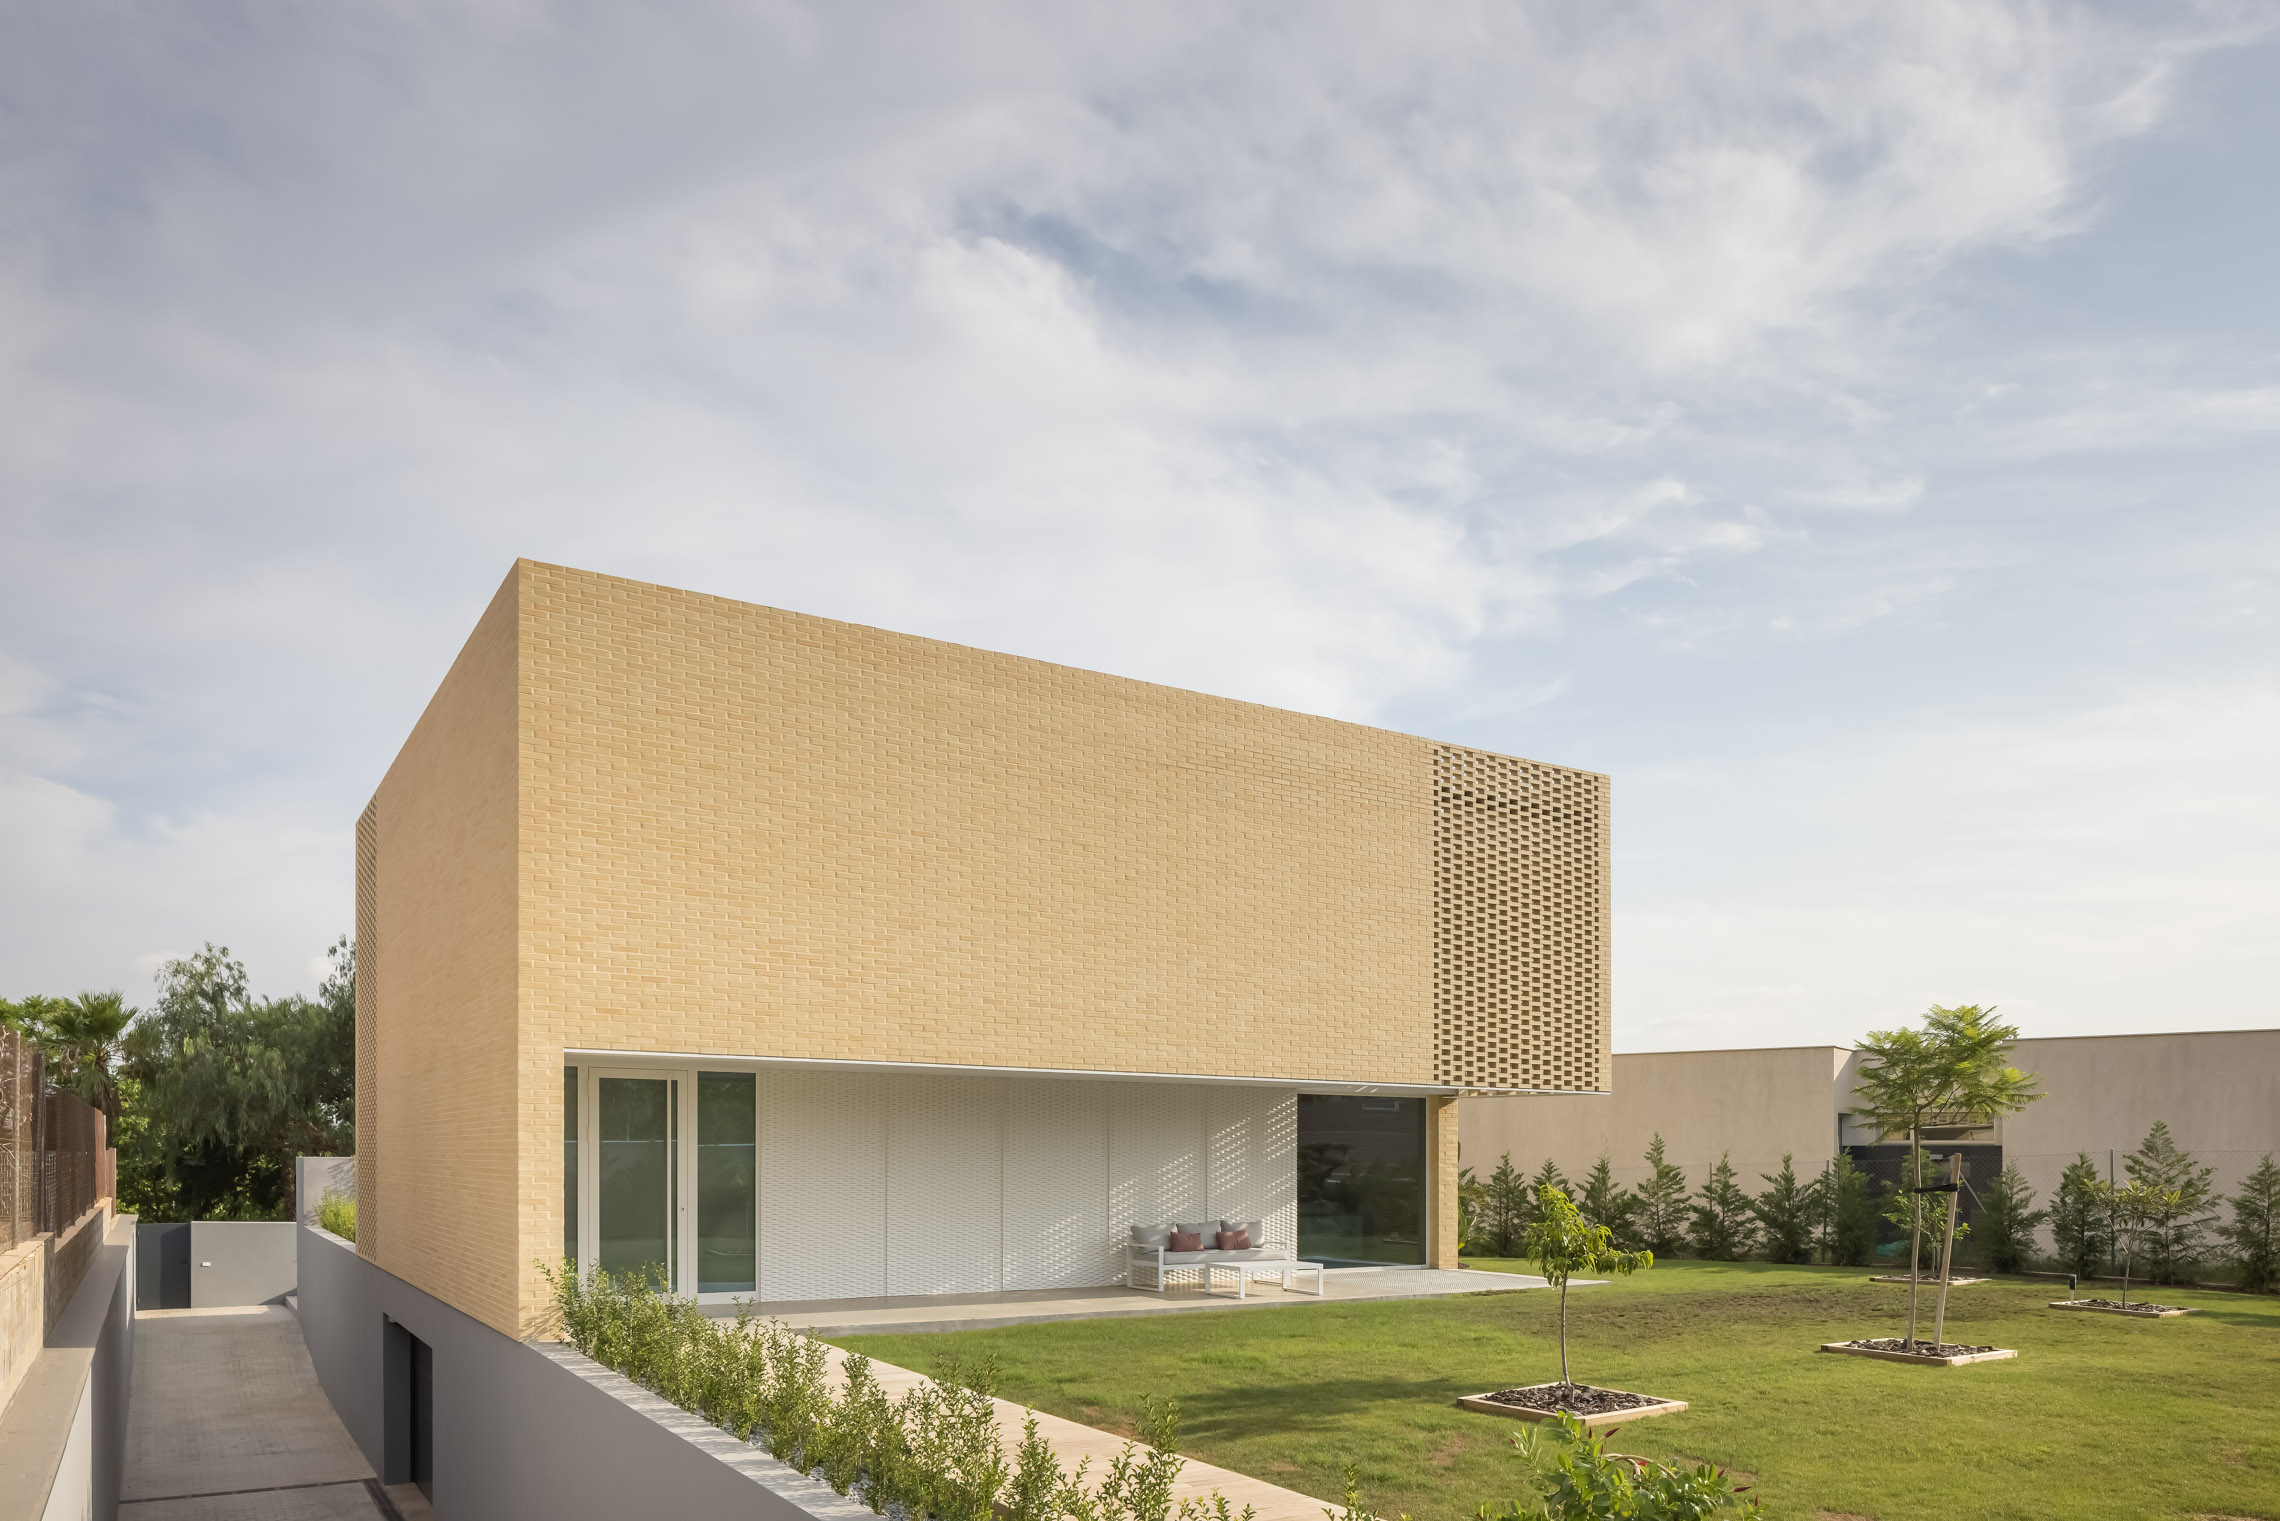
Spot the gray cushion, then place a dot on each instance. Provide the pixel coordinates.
(1257, 1228)
(1174, 1259)
(1206, 1230)
(1151, 1236)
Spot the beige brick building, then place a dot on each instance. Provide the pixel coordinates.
(812, 960)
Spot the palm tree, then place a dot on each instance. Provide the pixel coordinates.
(83, 1037)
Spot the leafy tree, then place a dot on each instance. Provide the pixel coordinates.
(1561, 1243)
(2254, 1234)
(1606, 1202)
(1785, 1215)
(1547, 1176)
(1722, 1227)
(2081, 1229)
(1956, 1068)
(1504, 1208)
(2007, 1221)
(2173, 1238)
(1844, 1213)
(1662, 1202)
(234, 1087)
(2138, 1210)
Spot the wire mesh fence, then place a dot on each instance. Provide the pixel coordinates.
(54, 1158)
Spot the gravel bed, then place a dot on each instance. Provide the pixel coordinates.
(1574, 1399)
(2115, 1304)
(1917, 1348)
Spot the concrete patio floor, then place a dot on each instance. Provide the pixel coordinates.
(958, 1312)
(228, 1421)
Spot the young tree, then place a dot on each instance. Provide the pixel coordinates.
(2174, 1238)
(1471, 1193)
(1662, 1202)
(1722, 1228)
(2254, 1234)
(2137, 1209)
(1547, 1176)
(1956, 1068)
(1562, 1244)
(1606, 1202)
(1504, 1208)
(2081, 1226)
(2007, 1221)
(1785, 1214)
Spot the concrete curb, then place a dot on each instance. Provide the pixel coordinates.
(1922, 1359)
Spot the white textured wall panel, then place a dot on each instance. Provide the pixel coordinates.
(1253, 1158)
(1156, 1171)
(823, 1185)
(1057, 1231)
(897, 1183)
(943, 1185)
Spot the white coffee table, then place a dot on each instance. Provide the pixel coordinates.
(1261, 1268)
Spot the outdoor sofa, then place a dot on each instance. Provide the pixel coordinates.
(1150, 1255)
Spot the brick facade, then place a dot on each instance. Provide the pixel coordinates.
(642, 819)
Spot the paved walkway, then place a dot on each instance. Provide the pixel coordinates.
(955, 1312)
(228, 1424)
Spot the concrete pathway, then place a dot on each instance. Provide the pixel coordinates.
(228, 1424)
(959, 1312)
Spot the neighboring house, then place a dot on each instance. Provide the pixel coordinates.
(812, 961)
(2217, 1090)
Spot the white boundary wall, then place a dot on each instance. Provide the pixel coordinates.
(902, 1183)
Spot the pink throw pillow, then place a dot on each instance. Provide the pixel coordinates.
(1188, 1241)
(1234, 1241)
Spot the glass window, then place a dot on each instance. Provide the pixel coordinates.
(570, 1164)
(634, 1121)
(1361, 1179)
(727, 1184)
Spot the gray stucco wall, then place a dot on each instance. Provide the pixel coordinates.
(240, 1262)
(524, 1430)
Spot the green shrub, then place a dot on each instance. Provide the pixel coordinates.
(336, 1212)
(934, 1454)
(2254, 1234)
(1576, 1479)
(2007, 1221)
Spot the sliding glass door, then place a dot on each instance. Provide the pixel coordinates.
(637, 1175)
(644, 1155)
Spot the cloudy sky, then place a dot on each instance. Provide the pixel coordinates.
(1854, 427)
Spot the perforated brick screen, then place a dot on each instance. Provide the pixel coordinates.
(1520, 923)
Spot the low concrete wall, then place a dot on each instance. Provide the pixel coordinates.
(63, 1434)
(524, 1430)
(236, 1262)
(37, 1281)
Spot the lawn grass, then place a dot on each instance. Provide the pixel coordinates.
(2099, 1416)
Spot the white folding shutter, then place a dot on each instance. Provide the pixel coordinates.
(1156, 1170)
(823, 1185)
(1058, 1234)
(943, 1228)
(1254, 1158)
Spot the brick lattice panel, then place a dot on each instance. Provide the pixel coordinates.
(1520, 924)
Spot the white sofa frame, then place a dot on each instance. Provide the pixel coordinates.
(1154, 1262)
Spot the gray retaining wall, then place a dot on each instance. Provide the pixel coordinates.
(525, 1430)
